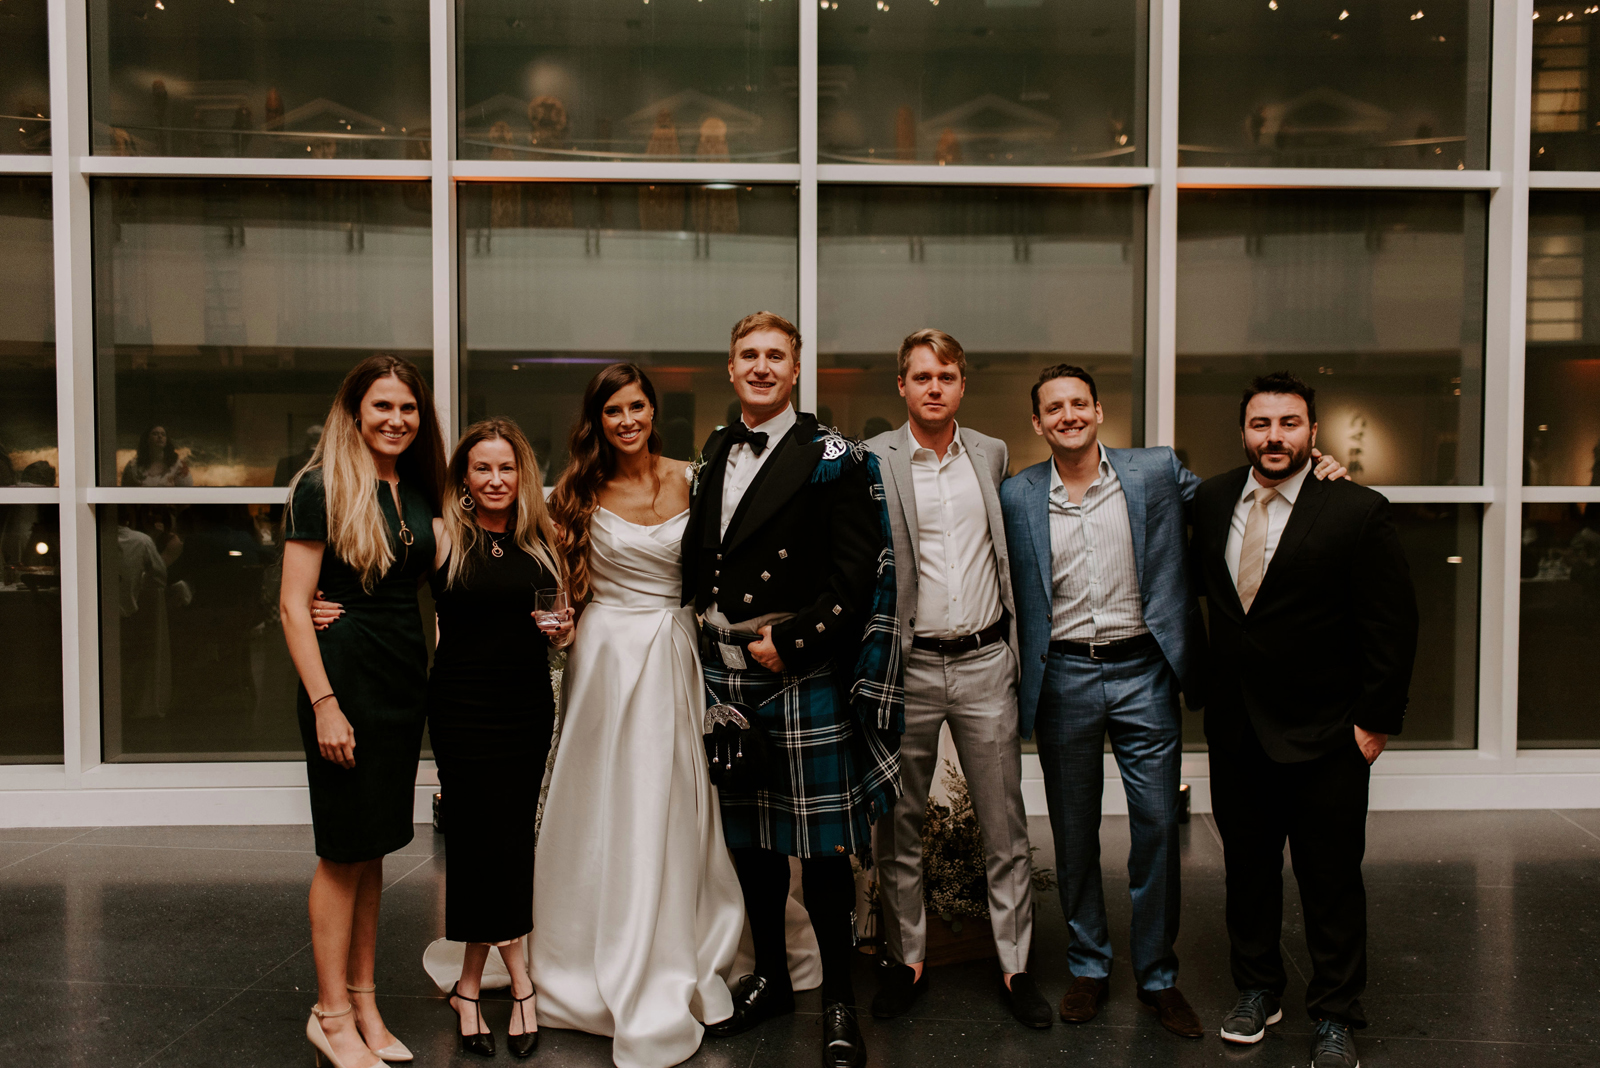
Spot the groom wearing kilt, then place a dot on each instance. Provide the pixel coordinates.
(787, 560)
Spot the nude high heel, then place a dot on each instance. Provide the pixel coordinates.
(394, 1053)
(319, 1038)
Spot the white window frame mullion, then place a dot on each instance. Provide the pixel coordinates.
(446, 304)
(1161, 229)
(74, 321)
(1505, 332)
(808, 176)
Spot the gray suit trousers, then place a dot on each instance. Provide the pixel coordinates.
(976, 693)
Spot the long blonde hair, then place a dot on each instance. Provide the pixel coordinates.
(357, 531)
(534, 531)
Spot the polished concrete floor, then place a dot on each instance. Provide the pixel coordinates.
(187, 946)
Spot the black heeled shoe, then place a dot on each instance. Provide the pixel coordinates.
(524, 1044)
(482, 1043)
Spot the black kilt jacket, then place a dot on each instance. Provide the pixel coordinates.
(810, 537)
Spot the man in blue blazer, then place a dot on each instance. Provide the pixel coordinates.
(1109, 633)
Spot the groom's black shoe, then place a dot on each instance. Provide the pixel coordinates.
(898, 987)
(842, 1045)
(755, 1001)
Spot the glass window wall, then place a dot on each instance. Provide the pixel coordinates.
(290, 79)
(1023, 278)
(228, 311)
(27, 334)
(711, 81)
(24, 78)
(1561, 415)
(1558, 706)
(558, 280)
(1565, 119)
(1375, 298)
(965, 81)
(30, 633)
(1334, 83)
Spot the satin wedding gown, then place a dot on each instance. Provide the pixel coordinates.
(637, 908)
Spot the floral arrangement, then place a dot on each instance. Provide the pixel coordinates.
(954, 876)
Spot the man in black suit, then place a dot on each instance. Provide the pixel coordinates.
(786, 559)
(1313, 631)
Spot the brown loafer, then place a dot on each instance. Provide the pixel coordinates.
(1081, 1003)
(1173, 1007)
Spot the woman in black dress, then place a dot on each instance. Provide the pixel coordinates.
(490, 709)
(360, 526)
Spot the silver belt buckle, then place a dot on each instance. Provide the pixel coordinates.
(1093, 645)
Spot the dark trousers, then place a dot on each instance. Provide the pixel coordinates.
(1135, 701)
(1320, 807)
(830, 891)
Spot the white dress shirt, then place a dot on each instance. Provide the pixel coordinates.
(1278, 510)
(1093, 576)
(743, 465)
(958, 581)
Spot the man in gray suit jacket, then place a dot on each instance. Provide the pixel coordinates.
(955, 612)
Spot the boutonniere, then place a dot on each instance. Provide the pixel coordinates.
(692, 473)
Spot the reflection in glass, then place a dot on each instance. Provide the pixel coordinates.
(1375, 298)
(30, 633)
(1353, 83)
(1023, 278)
(1558, 706)
(1564, 135)
(1562, 402)
(559, 280)
(982, 82)
(228, 311)
(27, 334)
(1442, 544)
(24, 78)
(618, 80)
(290, 79)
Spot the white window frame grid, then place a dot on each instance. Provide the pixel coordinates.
(83, 789)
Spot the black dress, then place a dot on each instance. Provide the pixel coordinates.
(490, 715)
(377, 662)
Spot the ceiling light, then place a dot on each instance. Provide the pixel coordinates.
(1343, 15)
(43, 548)
(1417, 16)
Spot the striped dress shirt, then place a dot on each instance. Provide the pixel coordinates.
(1094, 580)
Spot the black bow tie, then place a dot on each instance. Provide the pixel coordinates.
(757, 440)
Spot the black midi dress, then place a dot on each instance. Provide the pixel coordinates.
(491, 712)
(377, 662)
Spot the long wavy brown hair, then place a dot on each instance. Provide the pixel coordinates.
(357, 531)
(592, 462)
(533, 531)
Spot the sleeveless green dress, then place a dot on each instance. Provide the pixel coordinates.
(377, 661)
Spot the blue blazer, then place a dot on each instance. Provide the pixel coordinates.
(1158, 490)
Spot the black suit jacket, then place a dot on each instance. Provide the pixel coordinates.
(797, 544)
(1332, 634)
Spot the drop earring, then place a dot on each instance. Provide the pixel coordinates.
(467, 503)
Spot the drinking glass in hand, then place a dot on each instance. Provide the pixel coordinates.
(549, 609)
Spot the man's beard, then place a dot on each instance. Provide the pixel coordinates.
(1297, 460)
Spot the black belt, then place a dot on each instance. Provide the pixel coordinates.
(1121, 649)
(967, 643)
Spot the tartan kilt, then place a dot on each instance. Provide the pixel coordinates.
(832, 778)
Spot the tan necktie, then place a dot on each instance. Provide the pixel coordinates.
(1253, 553)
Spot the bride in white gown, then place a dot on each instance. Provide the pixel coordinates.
(637, 909)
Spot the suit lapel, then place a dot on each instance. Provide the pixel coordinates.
(779, 481)
(1039, 523)
(1217, 527)
(905, 485)
(991, 495)
(1123, 462)
(1302, 517)
(705, 516)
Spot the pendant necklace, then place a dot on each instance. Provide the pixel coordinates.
(494, 545)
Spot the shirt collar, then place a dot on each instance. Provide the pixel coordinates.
(777, 426)
(1106, 470)
(923, 453)
(1288, 490)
